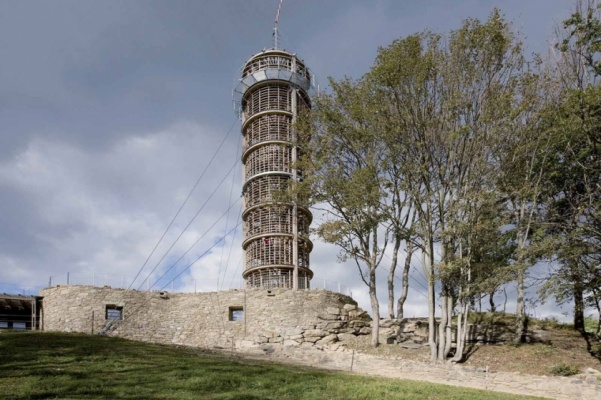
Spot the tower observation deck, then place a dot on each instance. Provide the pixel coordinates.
(273, 89)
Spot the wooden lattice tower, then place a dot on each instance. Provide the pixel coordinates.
(273, 88)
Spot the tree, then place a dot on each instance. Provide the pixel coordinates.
(446, 105)
(527, 164)
(347, 174)
(575, 122)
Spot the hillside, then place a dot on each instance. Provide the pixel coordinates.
(59, 365)
(556, 345)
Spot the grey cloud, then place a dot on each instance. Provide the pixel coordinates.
(109, 111)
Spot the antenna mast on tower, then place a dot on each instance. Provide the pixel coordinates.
(275, 26)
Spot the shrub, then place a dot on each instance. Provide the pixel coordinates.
(565, 370)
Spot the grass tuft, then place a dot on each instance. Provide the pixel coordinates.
(565, 370)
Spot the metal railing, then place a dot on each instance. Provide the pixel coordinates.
(124, 282)
(25, 290)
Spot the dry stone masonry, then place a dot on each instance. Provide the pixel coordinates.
(260, 319)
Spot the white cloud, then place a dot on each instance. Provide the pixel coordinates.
(104, 211)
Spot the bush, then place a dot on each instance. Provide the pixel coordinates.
(565, 370)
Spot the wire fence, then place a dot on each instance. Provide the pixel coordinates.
(181, 286)
(25, 290)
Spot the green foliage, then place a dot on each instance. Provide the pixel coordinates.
(552, 323)
(584, 32)
(590, 324)
(75, 366)
(563, 369)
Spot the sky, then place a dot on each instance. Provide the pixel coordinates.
(110, 111)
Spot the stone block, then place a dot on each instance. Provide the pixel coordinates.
(334, 325)
(290, 331)
(359, 324)
(261, 339)
(291, 343)
(333, 310)
(245, 344)
(346, 336)
(592, 371)
(421, 331)
(387, 323)
(387, 331)
(349, 307)
(412, 346)
(327, 340)
(314, 333)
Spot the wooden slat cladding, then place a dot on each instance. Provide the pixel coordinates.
(261, 190)
(268, 128)
(274, 219)
(269, 158)
(268, 98)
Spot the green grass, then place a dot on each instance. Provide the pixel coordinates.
(36, 365)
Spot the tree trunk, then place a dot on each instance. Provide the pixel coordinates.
(461, 331)
(491, 300)
(598, 306)
(395, 251)
(520, 314)
(577, 293)
(448, 328)
(375, 308)
(598, 333)
(431, 303)
(405, 283)
(442, 327)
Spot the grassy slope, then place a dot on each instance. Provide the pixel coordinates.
(57, 365)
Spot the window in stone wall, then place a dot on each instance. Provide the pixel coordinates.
(19, 326)
(236, 313)
(114, 313)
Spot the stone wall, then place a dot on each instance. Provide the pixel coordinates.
(413, 333)
(308, 318)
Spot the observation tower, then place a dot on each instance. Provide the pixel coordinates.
(273, 89)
